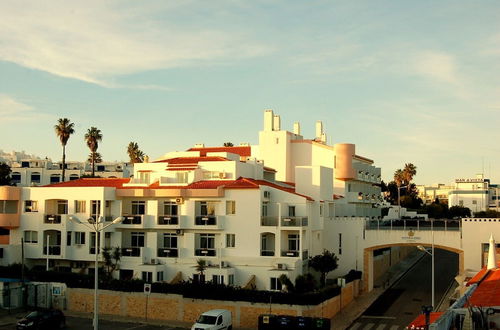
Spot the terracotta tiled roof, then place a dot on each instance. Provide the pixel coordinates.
(191, 160)
(419, 322)
(244, 151)
(243, 183)
(92, 182)
(487, 292)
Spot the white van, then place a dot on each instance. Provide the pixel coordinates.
(215, 319)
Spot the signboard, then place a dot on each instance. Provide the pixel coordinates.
(147, 289)
(470, 180)
(411, 236)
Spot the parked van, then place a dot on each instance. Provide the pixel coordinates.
(215, 319)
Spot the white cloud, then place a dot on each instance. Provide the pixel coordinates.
(95, 40)
(438, 66)
(13, 110)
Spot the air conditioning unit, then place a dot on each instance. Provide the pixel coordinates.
(154, 261)
(179, 200)
(282, 266)
(267, 194)
(179, 232)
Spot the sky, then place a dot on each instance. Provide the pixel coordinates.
(406, 81)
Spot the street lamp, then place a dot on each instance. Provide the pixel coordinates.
(421, 248)
(97, 227)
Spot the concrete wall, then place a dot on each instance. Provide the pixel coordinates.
(172, 307)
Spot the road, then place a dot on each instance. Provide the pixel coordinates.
(403, 301)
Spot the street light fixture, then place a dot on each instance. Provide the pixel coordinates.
(97, 227)
(421, 248)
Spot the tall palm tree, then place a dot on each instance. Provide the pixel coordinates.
(409, 171)
(64, 128)
(399, 179)
(134, 153)
(93, 137)
(95, 157)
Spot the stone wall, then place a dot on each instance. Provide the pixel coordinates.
(172, 307)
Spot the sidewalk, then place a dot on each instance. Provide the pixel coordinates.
(354, 310)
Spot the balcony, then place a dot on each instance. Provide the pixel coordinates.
(168, 252)
(269, 221)
(54, 250)
(132, 219)
(52, 218)
(204, 252)
(168, 220)
(267, 253)
(294, 221)
(205, 220)
(131, 252)
(290, 253)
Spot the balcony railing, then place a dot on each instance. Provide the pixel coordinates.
(204, 252)
(267, 253)
(54, 250)
(269, 221)
(132, 219)
(168, 252)
(131, 252)
(294, 221)
(168, 220)
(52, 218)
(205, 220)
(290, 253)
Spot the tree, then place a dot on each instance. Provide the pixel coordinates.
(409, 171)
(459, 211)
(93, 137)
(228, 144)
(305, 283)
(5, 179)
(64, 129)
(324, 263)
(201, 266)
(134, 153)
(111, 259)
(95, 158)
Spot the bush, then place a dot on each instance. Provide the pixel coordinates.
(353, 275)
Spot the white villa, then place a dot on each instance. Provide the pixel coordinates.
(252, 212)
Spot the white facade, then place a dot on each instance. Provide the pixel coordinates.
(477, 194)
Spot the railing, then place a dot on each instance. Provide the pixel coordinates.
(290, 253)
(267, 253)
(294, 221)
(205, 220)
(414, 224)
(168, 252)
(205, 252)
(168, 220)
(132, 219)
(269, 221)
(54, 250)
(131, 252)
(52, 218)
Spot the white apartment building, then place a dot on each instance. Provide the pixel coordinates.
(252, 212)
(429, 193)
(478, 194)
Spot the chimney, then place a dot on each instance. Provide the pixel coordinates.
(277, 123)
(492, 254)
(199, 145)
(319, 129)
(323, 137)
(268, 120)
(296, 128)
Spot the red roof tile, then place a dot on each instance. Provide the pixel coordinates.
(191, 160)
(487, 292)
(419, 322)
(244, 151)
(92, 182)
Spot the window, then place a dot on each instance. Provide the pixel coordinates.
(73, 177)
(159, 276)
(170, 241)
(340, 243)
(264, 209)
(206, 208)
(182, 177)
(30, 236)
(8, 207)
(291, 210)
(101, 168)
(55, 178)
(15, 177)
(138, 207)
(293, 242)
(275, 284)
(207, 241)
(79, 206)
(147, 276)
(230, 279)
(93, 242)
(35, 177)
(79, 237)
(30, 206)
(62, 207)
(230, 207)
(137, 239)
(474, 202)
(68, 239)
(95, 209)
(218, 279)
(170, 208)
(230, 240)
(321, 209)
(25, 164)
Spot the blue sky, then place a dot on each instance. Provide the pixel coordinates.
(406, 81)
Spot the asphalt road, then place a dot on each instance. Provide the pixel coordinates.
(403, 301)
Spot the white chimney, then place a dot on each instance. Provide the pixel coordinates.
(268, 120)
(492, 254)
(319, 129)
(296, 128)
(277, 123)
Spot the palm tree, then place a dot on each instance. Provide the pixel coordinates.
(93, 137)
(134, 153)
(64, 129)
(409, 171)
(201, 266)
(399, 179)
(95, 157)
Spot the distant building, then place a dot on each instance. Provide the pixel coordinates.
(478, 194)
(428, 194)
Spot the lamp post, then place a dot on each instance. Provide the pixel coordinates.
(97, 227)
(421, 248)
